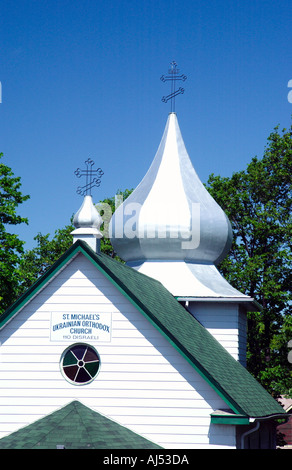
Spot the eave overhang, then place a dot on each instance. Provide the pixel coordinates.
(231, 418)
(99, 261)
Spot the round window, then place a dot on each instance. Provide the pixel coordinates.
(80, 364)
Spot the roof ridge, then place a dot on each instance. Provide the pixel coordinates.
(129, 268)
(227, 377)
(101, 432)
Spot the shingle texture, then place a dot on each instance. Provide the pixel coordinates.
(194, 341)
(75, 427)
(242, 393)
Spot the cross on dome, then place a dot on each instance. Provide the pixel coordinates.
(92, 177)
(173, 77)
(87, 220)
(171, 228)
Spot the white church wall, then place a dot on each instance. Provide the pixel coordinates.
(143, 382)
(226, 321)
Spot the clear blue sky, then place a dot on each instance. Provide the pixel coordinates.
(82, 79)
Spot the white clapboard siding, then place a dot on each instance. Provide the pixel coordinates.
(226, 322)
(143, 382)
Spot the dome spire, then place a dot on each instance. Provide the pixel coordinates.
(87, 220)
(171, 228)
(175, 218)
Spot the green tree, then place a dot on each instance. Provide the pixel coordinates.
(11, 247)
(34, 263)
(258, 204)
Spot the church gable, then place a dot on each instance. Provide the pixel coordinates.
(116, 337)
(142, 382)
(147, 363)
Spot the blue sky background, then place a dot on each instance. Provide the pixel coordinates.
(82, 79)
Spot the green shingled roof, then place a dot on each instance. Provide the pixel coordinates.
(238, 388)
(75, 427)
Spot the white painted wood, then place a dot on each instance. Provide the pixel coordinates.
(143, 382)
(226, 322)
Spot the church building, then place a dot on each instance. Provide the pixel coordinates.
(145, 354)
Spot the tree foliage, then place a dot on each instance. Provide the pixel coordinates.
(258, 204)
(34, 263)
(11, 247)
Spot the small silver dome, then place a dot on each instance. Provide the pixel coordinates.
(87, 216)
(87, 222)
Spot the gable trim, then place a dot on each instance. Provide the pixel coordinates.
(63, 261)
(227, 417)
(35, 289)
(168, 336)
(103, 264)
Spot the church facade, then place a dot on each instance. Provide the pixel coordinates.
(153, 349)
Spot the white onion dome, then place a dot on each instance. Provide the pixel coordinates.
(87, 222)
(171, 215)
(87, 216)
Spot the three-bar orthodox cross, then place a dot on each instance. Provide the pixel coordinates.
(173, 77)
(92, 177)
